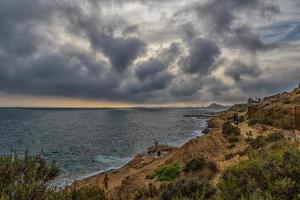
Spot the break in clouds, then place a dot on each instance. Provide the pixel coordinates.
(149, 51)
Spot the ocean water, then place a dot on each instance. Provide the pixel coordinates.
(84, 142)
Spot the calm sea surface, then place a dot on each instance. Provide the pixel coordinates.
(87, 141)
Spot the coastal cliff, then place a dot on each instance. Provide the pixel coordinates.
(214, 147)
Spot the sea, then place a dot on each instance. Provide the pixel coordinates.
(84, 142)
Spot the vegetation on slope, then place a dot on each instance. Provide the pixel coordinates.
(271, 173)
(279, 110)
(231, 132)
(168, 172)
(29, 177)
(180, 189)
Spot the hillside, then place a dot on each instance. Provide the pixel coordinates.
(216, 106)
(279, 110)
(216, 151)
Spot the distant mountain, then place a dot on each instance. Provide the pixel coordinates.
(216, 106)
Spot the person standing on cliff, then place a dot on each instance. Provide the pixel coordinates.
(105, 181)
(235, 119)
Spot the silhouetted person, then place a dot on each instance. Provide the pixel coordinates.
(158, 153)
(156, 146)
(105, 181)
(236, 119)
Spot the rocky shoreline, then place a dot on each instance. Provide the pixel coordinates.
(138, 172)
(127, 180)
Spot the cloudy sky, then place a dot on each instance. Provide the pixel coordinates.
(146, 52)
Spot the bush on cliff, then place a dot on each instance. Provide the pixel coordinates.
(25, 178)
(168, 172)
(252, 122)
(195, 165)
(230, 132)
(188, 188)
(271, 173)
(258, 142)
(262, 141)
(204, 168)
(147, 193)
(183, 188)
(85, 193)
(29, 177)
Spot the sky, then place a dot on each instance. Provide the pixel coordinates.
(124, 53)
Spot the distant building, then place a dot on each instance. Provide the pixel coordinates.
(254, 100)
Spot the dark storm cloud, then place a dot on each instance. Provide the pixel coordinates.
(71, 75)
(273, 82)
(243, 37)
(154, 66)
(189, 31)
(17, 25)
(28, 66)
(225, 19)
(153, 74)
(186, 88)
(202, 56)
(170, 54)
(221, 14)
(98, 49)
(213, 88)
(239, 70)
(158, 82)
(267, 86)
(120, 51)
(149, 68)
(131, 29)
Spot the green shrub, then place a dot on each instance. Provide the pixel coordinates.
(233, 138)
(86, 193)
(272, 173)
(267, 120)
(195, 165)
(29, 177)
(25, 177)
(150, 192)
(229, 156)
(252, 122)
(258, 142)
(206, 169)
(230, 132)
(189, 188)
(168, 172)
(275, 137)
(212, 166)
